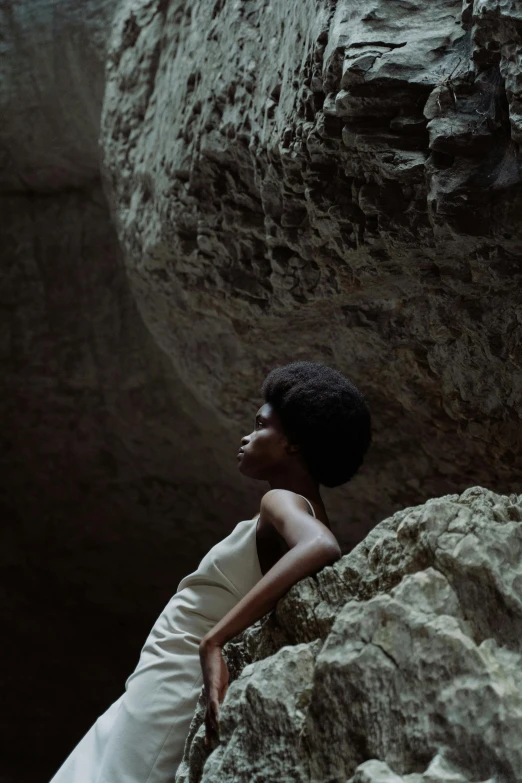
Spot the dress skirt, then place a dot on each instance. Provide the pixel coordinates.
(140, 738)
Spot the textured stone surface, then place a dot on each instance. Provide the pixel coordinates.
(336, 181)
(418, 682)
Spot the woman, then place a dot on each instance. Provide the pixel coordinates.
(314, 428)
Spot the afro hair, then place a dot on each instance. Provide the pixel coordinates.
(323, 413)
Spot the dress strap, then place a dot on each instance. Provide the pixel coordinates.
(302, 496)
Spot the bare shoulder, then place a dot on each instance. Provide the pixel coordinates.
(290, 515)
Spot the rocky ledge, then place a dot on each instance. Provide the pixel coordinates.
(401, 662)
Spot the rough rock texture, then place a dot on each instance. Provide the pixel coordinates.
(401, 662)
(337, 181)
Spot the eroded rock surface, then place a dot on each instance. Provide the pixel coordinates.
(338, 181)
(415, 677)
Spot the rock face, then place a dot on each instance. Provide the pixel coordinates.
(335, 180)
(401, 662)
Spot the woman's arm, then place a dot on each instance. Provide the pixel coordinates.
(305, 558)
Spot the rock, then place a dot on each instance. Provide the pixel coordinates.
(415, 678)
(349, 173)
(438, 771)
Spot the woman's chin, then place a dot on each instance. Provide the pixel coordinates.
(242, 470)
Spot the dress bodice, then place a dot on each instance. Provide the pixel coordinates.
(232, 565)
(228, 571)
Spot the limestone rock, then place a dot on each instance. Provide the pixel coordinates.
(420, 682)
(438, 771)
(345, 175)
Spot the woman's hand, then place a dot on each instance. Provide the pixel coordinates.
(215, 680)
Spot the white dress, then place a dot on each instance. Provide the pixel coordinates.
(140, 738)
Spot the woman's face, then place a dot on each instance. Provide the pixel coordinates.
(263, 452)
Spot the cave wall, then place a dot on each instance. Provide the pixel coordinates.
(115, 479)
(191, 194)
(339, 181)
